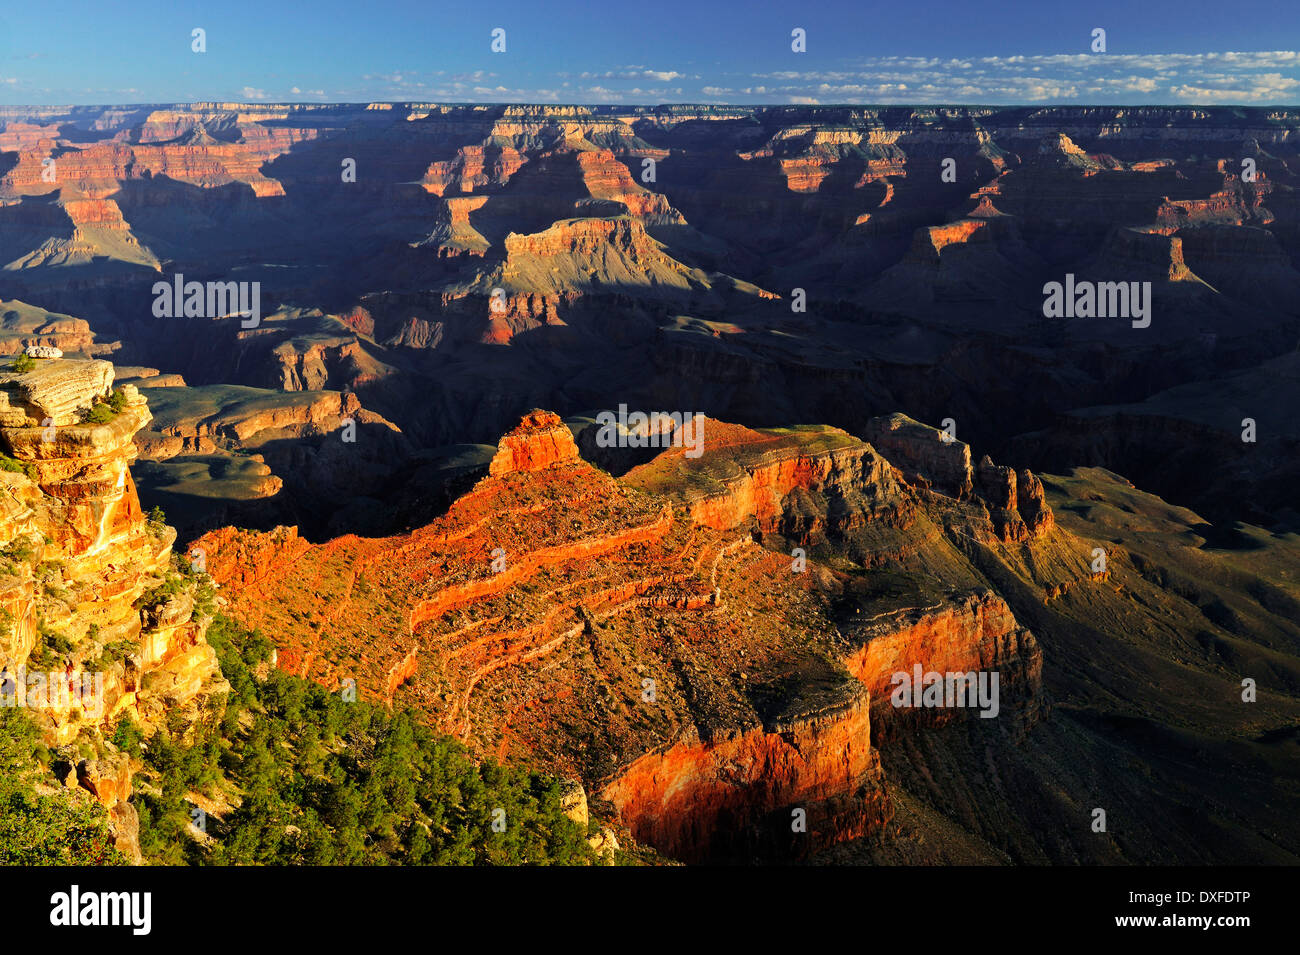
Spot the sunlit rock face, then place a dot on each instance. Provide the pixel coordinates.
(54, 392)
(81, 567)
(634, 634)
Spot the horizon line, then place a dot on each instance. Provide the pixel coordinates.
(661, 105)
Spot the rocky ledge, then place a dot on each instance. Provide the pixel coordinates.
(55, 392)
(88, 586)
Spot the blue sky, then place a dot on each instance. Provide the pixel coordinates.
(652, 51)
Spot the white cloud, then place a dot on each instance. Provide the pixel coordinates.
(1246, 77)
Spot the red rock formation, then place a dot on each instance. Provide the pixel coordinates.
(970, 634)
(768, 477)
(103, 213)
(359, 320)
(1033, 507)
(485, 618)
(996, 486)
(541, 440)
(1236, 204)
(241, 560)
(97, 170)
(688, 799)
(923, 454)
(473, 168)
(936, 238)
(584, 237)
(607, 178)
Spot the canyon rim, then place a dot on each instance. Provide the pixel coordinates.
(771, 448)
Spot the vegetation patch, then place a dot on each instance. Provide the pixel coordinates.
(314, 780)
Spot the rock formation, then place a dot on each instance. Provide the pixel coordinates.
(925, 454)
(811, 267)
(633, 634)
(88, 589)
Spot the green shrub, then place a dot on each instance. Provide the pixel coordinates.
(169, 588)
(156, 519)
(112, 654)
(23, 363)
(15, 466)
(324, 782)
(37, 829)
(127, 736)
(19, 550)
(51, 648)
(98, 413)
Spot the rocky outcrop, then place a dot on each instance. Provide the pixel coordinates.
(473, 168)
(1060, 149)
(23, 326)
(484, 620)
(1016, 504)
(242, 560)
(780, 791)
(806, 484)
(89, 591)
(583, 237)
(542, 440)
(1130, 254)
(928, 459)
(55, 392)
(201, 416)
(195, 157)
(454, 234)
(717, 711)
(608, 179)
(926, 455)
(1032, 506)
(975, 633)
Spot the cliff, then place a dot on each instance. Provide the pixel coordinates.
(540, 441)
(929, 460)
(557, 615)
(23, 325)
(804, 484)
(970, 633)
(633, 635)
(740, 796)
(89, 590)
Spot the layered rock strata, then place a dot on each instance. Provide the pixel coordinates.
(88, 589)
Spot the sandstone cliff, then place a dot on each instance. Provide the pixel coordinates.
(634, 635)
(556, 614)
(88, 588)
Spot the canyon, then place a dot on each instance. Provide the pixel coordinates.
(764, 264)
(395, 476)
(652, 638)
